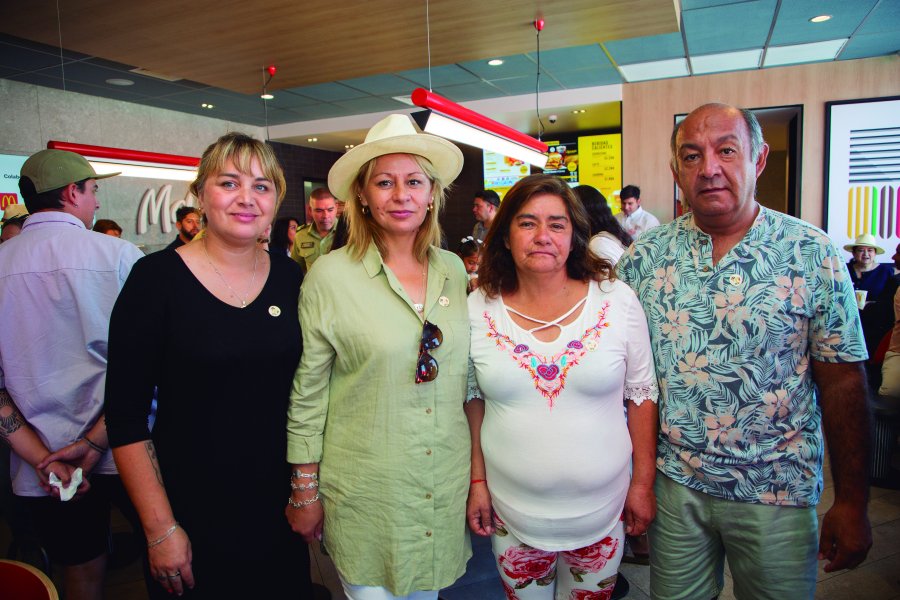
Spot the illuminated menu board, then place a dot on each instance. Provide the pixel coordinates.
(502, 172)
(601, 163)
(594, 160)
(562, 161)
(10, 165)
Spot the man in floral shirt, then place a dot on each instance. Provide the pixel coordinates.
(758, 346)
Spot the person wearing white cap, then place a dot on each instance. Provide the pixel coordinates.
(376, 431)
(58, 284)
(879, 283)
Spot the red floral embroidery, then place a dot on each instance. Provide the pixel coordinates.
(549, 372)
(524, 564)
(593, 558)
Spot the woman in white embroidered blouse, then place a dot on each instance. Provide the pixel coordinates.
(557, 344)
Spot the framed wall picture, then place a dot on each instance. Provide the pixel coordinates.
(862, 170)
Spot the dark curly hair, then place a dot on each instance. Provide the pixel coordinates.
(497, 274)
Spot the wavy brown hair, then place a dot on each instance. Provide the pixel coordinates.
(497, 273)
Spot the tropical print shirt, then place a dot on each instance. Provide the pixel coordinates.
(732, 343)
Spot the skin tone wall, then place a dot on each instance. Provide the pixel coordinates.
(648, 110)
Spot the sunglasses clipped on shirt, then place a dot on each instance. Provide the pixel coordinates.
(426, 366)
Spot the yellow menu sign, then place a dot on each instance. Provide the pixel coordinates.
(600, 163)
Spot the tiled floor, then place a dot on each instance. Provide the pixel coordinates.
(878, 578)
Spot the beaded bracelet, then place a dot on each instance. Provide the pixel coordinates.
(164, 536)
(301, 475)
(303, 503)
(93, 446)
(304, 486)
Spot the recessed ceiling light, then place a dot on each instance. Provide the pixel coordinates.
(312, 139)
(207, 105)
(119, 81)
(267, 96)
(578, 111)
(495, 62)
(820, 19)
(348, 146)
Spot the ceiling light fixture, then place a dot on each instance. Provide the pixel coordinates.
(496, 62)
(312, 139)
(266, 96)
(207, 105)
(820, 19)
(448, 119)
(660, 69)
(803, 53)
(119, 81)
(578, 111)
(348, 146)
(134, 163)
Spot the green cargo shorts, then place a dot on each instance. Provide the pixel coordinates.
(771, 550)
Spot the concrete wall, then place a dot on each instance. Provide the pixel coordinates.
(33, 115)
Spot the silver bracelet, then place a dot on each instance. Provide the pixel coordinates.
(303, 503)
(304, 486)
(298, 474)
(164, 536)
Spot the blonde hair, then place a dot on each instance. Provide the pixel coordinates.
(240, 149)
(363, 230)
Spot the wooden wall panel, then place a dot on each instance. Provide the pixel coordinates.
(648, 110)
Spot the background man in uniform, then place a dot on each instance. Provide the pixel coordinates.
(634, 219)
(58, 284)
(758, 347)
(314, 239)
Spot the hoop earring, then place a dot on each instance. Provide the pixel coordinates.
(365, 210)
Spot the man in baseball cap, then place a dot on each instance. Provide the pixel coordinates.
(59, 281)
(61, 181)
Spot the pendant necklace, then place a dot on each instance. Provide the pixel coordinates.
(420, 308)
(231, 289)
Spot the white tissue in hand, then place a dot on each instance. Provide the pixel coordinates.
(66, 492)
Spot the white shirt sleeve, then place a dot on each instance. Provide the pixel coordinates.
(608, 248)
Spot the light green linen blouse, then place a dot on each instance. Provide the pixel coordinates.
(393, 455)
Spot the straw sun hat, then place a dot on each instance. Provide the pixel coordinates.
(395, 134)
(14, 211)
(866, 239)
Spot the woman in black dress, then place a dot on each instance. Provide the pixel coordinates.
(213, 326)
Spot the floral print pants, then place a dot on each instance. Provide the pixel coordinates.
(587, 573)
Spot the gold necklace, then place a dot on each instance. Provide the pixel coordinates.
(420, 308)
(231, 289)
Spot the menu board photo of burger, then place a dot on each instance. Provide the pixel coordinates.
(562, 161)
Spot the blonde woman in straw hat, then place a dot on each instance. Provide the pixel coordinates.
(878, 282)
(376, 430)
